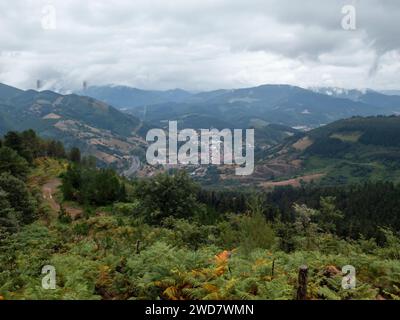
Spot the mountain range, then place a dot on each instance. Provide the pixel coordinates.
(124, 97)
(292, 145)
(241, 108)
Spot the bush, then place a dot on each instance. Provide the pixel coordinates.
(127, 209)
(92, 186)
(168, 195)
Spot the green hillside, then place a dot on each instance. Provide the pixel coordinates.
(352, 150)
(165, 238)
(97, 128)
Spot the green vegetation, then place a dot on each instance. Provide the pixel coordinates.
(166, 238)
(78, 121)
(167, 196)
(347, 136)
(88, 185)
(354, 150)
(19, 205)
(96, 258)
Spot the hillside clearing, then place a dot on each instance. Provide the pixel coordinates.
(295, 182)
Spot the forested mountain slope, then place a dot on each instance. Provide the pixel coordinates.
(350, 150)
(95, 127)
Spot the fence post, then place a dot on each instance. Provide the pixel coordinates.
(137, 246)
(273, 268)
(302, 283)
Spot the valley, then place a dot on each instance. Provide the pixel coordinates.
(199, 157)
(327, 196)
(339, 152)
(167, 238)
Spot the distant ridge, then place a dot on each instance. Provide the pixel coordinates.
(279, 104)
(8, 92)
(127, 97)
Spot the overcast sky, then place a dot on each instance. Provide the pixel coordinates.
(199, 45)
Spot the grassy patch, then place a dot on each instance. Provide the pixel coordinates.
(347, 136)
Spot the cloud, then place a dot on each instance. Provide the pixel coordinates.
(199, 45)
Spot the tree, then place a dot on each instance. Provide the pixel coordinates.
(8, 216)
(75, 155)
(13, 140)
(29, 146)
(89, 161)
(12, 163)
(55, 149)
(18, 196)
(105, 187)
(304, 225)
(254, 230)
(285, 233)
(168, 195)
(328, 216)
(92, 186)
(32, 145)
(71, 182)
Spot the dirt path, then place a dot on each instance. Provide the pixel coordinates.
(49, 190)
